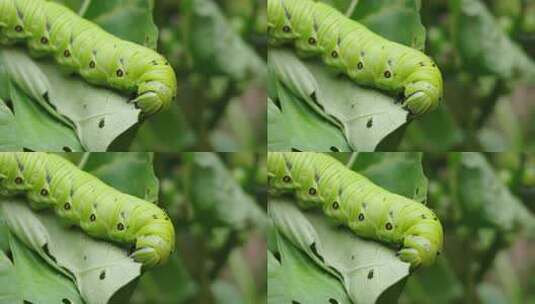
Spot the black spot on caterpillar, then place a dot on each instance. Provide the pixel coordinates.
(351, 199)
(316, 29)
(78, 45)
(79, 198)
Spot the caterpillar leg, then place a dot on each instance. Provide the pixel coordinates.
(410, 255)
(149, 102)
(417, 103)
(146, 256)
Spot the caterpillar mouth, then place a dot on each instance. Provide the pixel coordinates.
(140, 99)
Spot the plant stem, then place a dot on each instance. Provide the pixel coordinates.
(353, 159)
(351, 8)
(84, 160)
(84, 7)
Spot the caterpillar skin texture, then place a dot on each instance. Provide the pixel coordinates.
(80, 46)
(370, 211)
(79, 198)
(316, 29)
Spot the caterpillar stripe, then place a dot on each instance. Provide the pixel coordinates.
(80, 46)
(316, 29)
(370, 211)
(79, 198)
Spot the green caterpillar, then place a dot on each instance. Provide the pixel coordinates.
(79, 198)
(349, 198)
(316, 29)
(80, 46)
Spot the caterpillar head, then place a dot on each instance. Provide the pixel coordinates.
(424, 91)
(152, 247)
(423, 242)
(154, 235)
(157, 90)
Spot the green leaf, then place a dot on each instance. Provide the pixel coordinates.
(484, 47)
(400, 172)
(505, 132)
(395, 20)
(99, 115)
(118, 169)
(10, 289)
(214, 46)
(36, 130)
(35, 281)
(364, 115)
(296, 279)
(4, 80)
(366, 268)
(8, 134)
(129, 20)
(98, 268)
(289, 128)
(483, 197)
(216, 196)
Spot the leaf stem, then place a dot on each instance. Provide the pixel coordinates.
(351, 8)
(84, 7)
(352, 160)
(84, 160)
